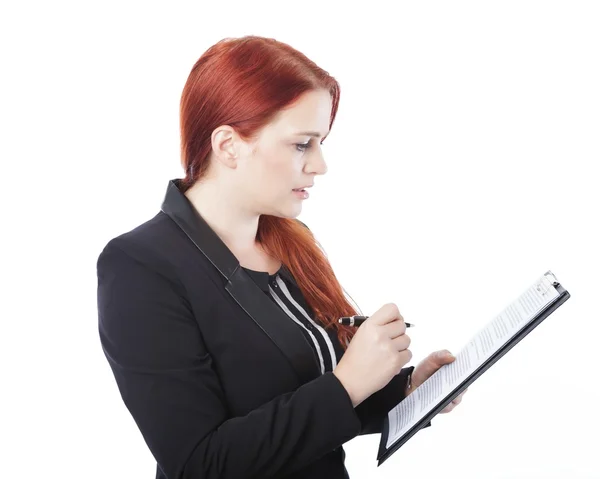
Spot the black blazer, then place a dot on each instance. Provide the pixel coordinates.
(218, 379)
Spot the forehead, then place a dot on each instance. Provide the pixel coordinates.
(310, 112)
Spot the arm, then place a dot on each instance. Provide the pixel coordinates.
(166, 379)
(373, 410)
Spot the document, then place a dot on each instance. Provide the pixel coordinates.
(484, 348)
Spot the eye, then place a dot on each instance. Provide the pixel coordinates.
(304, 146)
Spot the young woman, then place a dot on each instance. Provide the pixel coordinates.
(218, 316)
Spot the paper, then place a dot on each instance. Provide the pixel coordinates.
(483, 345)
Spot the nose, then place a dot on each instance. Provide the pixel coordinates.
(316, 163)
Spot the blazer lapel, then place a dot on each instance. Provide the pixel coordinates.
(267, 315)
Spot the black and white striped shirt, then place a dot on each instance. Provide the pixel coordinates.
(283, 290)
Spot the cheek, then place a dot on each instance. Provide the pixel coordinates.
(277, 173)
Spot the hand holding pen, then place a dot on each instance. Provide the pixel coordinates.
(358, 320)
(376, 353)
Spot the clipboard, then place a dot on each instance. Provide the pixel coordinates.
(543, 286)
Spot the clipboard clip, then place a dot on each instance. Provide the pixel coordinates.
(547, 282)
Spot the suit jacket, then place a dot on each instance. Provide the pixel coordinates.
(218, 379)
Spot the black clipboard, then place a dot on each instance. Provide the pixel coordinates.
(385, 453)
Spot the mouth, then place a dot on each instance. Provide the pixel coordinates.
(304, 188)
(301, 193)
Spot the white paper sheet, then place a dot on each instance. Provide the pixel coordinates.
(483, 345)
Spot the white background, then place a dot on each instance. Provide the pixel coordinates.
(463, 164)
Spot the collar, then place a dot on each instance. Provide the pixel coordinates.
(262, 278)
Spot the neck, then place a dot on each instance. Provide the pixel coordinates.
(236, 226)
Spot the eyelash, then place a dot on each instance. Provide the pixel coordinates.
(304, 146)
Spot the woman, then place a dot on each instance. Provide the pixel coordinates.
(218, 316)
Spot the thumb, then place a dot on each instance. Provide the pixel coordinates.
(444, 356)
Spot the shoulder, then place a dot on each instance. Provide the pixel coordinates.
(146, 245)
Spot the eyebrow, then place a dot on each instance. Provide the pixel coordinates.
(309, 133)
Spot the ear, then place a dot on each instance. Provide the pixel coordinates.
(224, 141)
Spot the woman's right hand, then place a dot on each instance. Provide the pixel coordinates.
(377, 352)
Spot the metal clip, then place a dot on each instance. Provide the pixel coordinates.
(550, 276)
(547, 282)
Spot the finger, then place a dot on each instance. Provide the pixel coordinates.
(442, 357)
(388, 312)
(401, 342)
(433, 362)
(455, 402)
(395, 328)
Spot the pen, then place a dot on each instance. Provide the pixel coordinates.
(358, 320)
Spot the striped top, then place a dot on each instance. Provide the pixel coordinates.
(283, 290)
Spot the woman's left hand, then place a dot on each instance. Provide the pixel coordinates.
(427, 367)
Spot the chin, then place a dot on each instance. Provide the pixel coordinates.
(283, 209)
(290, 213)
(290, 216)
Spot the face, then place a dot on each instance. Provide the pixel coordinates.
(284, 157)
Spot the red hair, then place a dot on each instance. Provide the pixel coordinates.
(244, 82)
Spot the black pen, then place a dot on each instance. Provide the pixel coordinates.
(358, 320)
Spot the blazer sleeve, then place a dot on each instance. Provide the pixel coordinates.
(373, 410)
(166, 380)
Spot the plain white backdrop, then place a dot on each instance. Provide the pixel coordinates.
(463, 164)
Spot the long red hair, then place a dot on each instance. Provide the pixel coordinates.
(244, 82)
